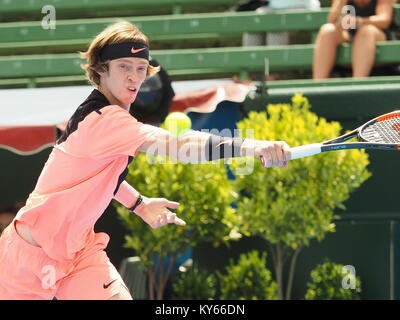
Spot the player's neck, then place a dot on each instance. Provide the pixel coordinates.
(112, 99)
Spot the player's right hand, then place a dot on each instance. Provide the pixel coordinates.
(273, 153)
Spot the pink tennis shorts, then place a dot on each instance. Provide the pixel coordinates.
(27, 273)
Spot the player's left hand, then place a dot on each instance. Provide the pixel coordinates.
(155, 212)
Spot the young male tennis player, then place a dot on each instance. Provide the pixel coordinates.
(51, 248)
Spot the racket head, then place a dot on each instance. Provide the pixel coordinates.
(384, 129)
(380, 133)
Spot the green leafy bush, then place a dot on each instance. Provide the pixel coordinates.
(289, 207)
(249, 279)
(194, 284)
(294, 205)
(327, 283)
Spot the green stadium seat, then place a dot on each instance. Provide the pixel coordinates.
(30, 55)
(212, 61)
(10, 10)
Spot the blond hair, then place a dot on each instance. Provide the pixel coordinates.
(119, 32)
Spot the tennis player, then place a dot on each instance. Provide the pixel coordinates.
(50, 249)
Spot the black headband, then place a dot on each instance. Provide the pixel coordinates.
(124, 50)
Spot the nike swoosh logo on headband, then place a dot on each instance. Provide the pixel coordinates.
(133, 50)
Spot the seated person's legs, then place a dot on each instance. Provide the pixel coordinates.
(330, 36)
(364, 49)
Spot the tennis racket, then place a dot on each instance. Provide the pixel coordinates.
(380, 133)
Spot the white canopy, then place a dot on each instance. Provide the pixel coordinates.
(51, 106)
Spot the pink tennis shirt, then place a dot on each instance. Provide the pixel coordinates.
(84, 172)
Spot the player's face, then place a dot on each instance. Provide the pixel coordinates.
(124, 78)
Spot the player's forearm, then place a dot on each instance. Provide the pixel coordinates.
(126, 194)
(198, 147)
(208, 147)
(251, 147)
(190, 147)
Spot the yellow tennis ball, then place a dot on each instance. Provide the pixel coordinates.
(177, 123)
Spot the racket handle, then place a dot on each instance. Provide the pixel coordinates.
(305, 151)
(301, 152)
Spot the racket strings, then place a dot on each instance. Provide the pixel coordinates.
(387, 131)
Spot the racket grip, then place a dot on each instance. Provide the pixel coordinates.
(305, 151)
